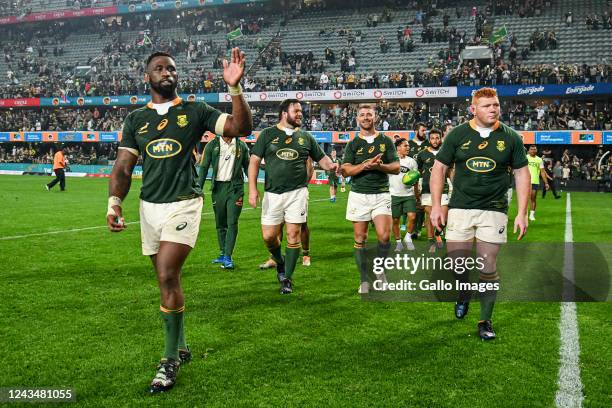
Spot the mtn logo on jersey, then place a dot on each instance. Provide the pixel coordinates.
(287, 154)
(480, 164)
(163, 148)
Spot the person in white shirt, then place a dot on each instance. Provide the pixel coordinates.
(403, 199)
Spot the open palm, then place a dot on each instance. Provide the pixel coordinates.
(234, 69)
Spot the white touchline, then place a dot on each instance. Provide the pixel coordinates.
(569, 394)
(38, 234)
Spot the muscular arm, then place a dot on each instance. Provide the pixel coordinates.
(118, 188)
(351, 170)
(310, 168)
(326, 163)
(121, 176)
(436, 182)
(254, 163)
(240, 122)
(391, 168)
(522, 179)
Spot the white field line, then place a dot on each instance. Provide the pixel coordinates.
(39, 234)
(569, 394)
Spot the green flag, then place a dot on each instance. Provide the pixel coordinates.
(499, 35)
(232, 35)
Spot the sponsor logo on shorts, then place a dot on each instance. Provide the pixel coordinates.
(163, 148)
(480, 164)
(181, 226)
(501, 230)
(287, 154)
(303, 212)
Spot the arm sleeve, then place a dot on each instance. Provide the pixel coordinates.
(260, 145)
(519, 159)
(446, 155)
(128, 139)
(315, 150)
(349, 155)
(212, 119)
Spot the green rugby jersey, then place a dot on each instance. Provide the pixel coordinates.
(482, 165)
(166, 143)
(286, 157)
(358, 151)
(331, 175)
(425, 161)
(415, 148)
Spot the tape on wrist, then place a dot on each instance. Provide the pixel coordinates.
(112, 201)
(235, 90)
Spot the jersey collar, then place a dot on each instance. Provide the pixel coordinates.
(175, 102)
(282, 129)
(473, 125)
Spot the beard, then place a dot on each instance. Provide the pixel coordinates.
(165, 90)
(296, 123)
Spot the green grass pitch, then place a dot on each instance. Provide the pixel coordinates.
(80, 310)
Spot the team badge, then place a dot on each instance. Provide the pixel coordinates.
(181, 121)
(301, 141)
(382, 147)
(143, 129)
(466, 145)
(483, 145)
(501, 145)
(360, 151)
(288, 140)
(371, 149)
(275, 140)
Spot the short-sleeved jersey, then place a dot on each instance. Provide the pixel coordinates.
(425, 161)
(396, 185)
(482, 165)
(416, 148)
(535, 164)
(285, 157)
(331, 175)
(166, 143)
(358, 151)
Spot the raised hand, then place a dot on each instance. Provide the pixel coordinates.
(234, 69)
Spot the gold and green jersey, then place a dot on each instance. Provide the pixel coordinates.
(535, 163)
(416, 148)
(166, 143)
(482, 165)
(425, 161)
(358, 151)
(285, 157)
